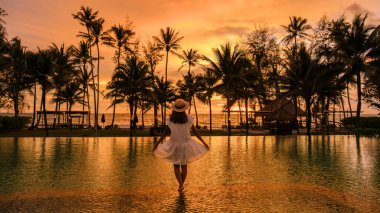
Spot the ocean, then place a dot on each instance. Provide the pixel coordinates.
(123, 119)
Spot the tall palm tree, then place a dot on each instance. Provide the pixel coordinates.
(206, 90)
(45, 67)
(227, 66)
(152, 57)
(132, 80)
(32, 69)
(165, 93)
(87, 17)
(97, 33)
(81, 56)
(169, 41)
(118, 37)
(307, 77)
(190, 58)
(358, 42)
(188, 88)
(63, 71)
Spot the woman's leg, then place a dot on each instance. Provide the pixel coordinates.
(183, 173)
(178, 175)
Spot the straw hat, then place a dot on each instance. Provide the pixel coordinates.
(180, 105)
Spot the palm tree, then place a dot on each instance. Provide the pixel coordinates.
(82, 58)
(32, 69)
(169, 41)
(132, 80)
(206, 91)
(45, 67)
(296, 28)
(87, 17)
(307, 77)
(358, 42)
(72, 94)
(189, 58)
(63, 71)
(117, 37)
(165, 93)
(152, 57)
(97, 33)
(227, 66)
(15, 79)
(188, 88)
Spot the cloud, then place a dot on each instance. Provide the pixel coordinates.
(358, 9)
(228, 30)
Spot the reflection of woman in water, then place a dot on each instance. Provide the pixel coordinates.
(181, 148)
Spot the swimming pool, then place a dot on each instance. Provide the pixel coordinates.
(254, 173)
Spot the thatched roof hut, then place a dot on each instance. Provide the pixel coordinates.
(280, 110)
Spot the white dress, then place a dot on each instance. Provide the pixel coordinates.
(181, 148)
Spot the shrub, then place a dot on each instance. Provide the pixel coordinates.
(364, 122)
(13, 123)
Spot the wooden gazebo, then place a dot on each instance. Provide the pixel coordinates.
(62, 119)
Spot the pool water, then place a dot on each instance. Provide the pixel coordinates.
(239, 174)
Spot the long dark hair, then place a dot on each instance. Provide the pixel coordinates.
(178, 117)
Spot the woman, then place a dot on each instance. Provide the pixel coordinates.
(181, 148)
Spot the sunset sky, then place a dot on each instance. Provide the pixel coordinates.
(205, 24)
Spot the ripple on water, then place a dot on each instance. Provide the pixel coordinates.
(234, 197)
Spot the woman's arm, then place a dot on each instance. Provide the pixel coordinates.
(163, 136)
(196, 133)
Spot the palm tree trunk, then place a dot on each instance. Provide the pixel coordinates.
(44, 109)
(39, 116)
(97, 97)
(323, 115)
(246, 116)
(240, 114)
(349, 99)
(228, 116)
(15, 105)
(343, 107)
(34, 105)
(55, 114)
(196, 113)
(296, 114)
(166, 80)
(88, 107)
(162, 114)
(84, 95)
(209, 105)
(142, 117)
(59, 118)
(327, 116)
(135, 114)
(93, 85)
(114, 106)
(308, 115)
(359, 91)
(131, 118)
